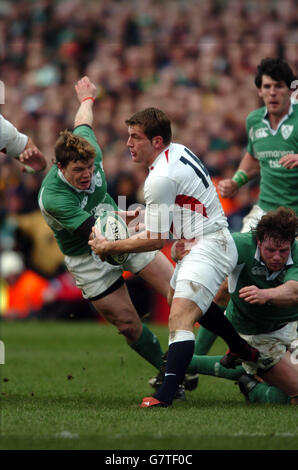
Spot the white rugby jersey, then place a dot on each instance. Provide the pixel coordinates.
(12, 142)
(180, 196)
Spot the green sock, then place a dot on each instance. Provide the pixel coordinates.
(204, 341)
(148, 346)
(264, 393)
(210, 365)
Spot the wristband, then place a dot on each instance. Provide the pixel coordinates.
(240, 177)
(88, 98)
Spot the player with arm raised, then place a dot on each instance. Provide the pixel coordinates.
(181, 198)
(71, 197)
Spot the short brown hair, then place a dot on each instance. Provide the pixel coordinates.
(280, 225)
(277, 69)
(71, 148)
(154, 122)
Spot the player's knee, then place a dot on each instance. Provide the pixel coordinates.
(222, 297)
(131, 331)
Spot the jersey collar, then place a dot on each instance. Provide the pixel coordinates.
(267, 122)
(271, 277)
(165, 153)
(89, 191)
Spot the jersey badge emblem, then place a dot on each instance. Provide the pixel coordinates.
(286, 130)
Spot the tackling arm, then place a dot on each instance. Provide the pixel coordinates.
(285, 295)
(144, 241)
(248, 169)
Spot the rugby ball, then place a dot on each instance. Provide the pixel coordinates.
(113, 228)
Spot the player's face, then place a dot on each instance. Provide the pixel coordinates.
(141, 148)
(274, 254)
(79, 173)
(276, 96)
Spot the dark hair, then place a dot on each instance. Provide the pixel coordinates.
(154, 123)
(280, 225)
(275, 68)
(71, 148)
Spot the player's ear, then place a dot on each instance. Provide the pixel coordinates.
(157, 142)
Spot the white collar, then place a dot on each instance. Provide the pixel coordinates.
(267, 122)
(275, 274)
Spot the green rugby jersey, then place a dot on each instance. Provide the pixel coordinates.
(278, 185)
(255, 319)
(65, 208)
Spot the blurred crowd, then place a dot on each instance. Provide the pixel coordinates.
(195, 60)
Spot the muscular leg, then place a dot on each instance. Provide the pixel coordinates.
(118, 310)
(158, 274)
(284, 375)
(205, 338)
(184, 313)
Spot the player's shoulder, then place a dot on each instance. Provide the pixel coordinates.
(245, 242)
(294, 252)
(295, 108)
(52, 186)
(256, 116)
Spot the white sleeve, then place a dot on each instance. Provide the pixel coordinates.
(160, 194)
(11, 139)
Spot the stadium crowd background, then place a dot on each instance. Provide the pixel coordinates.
(195, 60)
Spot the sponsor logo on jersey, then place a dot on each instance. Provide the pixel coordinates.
(261, 133)
(259, 271)
(286, 130)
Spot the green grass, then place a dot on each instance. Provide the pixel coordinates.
(78, 386)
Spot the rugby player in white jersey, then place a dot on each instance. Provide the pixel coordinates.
(15, 144)
(180, 198)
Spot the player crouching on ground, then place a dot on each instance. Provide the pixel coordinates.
(263, 306)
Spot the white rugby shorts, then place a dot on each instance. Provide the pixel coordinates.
(250, 221)
(272, 347)
(199, 274)
(94, 276)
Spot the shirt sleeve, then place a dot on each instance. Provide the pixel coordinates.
(12, 142)
(160, 196)
(85, 131)
(249, 131)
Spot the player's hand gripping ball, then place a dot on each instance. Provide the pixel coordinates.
(113, 228)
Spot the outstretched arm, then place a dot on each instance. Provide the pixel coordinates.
(17, 145)
(248, 169)
(285, 295)
(32, 158)
(86, 94)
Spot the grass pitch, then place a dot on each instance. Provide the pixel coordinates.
(77, 386)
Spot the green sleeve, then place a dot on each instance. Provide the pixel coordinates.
(63, 208)
(249, 131)
(243, 242)
(87, 133)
